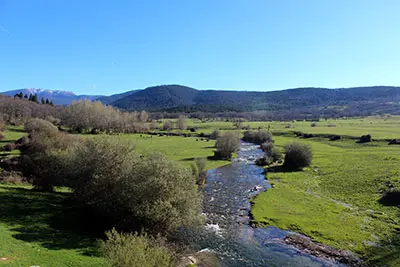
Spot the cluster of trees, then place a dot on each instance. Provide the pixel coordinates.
(34, 98)
(180, 124)
(85, 115)
(125, 190)
(18, 111)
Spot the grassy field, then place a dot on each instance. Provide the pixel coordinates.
(337, 200)
(379, 127)
(181, 149)
(37, 229)
(11, 134)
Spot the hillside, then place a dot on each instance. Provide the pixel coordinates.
(112, 98)
(58, 97)
(362, 100)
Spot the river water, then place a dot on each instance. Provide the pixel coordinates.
(227, 204)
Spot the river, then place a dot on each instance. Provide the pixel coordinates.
(227, 204)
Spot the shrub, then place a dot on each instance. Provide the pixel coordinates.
(365, 138)
(335, 137)
(215, 134)
(267, 147)
(394, 142)
(199, 170)
(226, 144)
(297, 156)
(264, 161)
(314, 124)
(272, 154)
(167, 125)
(192, 129)
(39, 125)
(149, 192)
(134, 250)
(276, 154)
(46, 155)
(257, 137)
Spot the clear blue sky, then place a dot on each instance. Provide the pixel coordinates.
(105, 47)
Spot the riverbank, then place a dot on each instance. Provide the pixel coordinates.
(333, 202)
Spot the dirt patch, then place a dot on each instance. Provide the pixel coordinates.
(305, 244)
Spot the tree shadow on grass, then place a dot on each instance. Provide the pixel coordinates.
(50, 219)
(387, 251)
(391, 198)
(187, 159)
(16, 130)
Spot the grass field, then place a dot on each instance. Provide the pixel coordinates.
(379, 127)
(37, 229)
(336, 200)
(11, 134)
(181, 149)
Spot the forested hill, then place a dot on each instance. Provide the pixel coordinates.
(365, 100)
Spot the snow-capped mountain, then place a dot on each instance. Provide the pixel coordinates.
(58, 97)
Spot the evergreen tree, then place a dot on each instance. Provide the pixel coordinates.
(26, 96)
(47, 101)
(42, 101)
(35, 99)
(30, 97)
(51, 103)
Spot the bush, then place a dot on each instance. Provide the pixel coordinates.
(267, 147)
(272, 154)
(335, 137)
(257, 137)
(227, 144)
(276, 154)
(297, 156)
(149, 192)
(365, 138)
(46, 156)
(314, 124)
(167, 125)
(39, 125)
(134, 250)
(215, 134)
(199, 170)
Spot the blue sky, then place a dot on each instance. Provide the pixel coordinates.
(106, 47)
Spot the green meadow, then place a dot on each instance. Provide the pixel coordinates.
(336, 201)
(181, 149)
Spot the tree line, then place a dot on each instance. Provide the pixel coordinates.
(34, 98)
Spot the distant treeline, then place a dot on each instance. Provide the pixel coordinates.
(84, 116)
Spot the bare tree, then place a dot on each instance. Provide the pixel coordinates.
(181, 123)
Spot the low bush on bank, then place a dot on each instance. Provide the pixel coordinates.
(199, 170)
(135, 250)
(297, 156)
(257, 137)
(227, 144)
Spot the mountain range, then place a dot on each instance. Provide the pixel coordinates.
(58, 97)
(178, 98)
